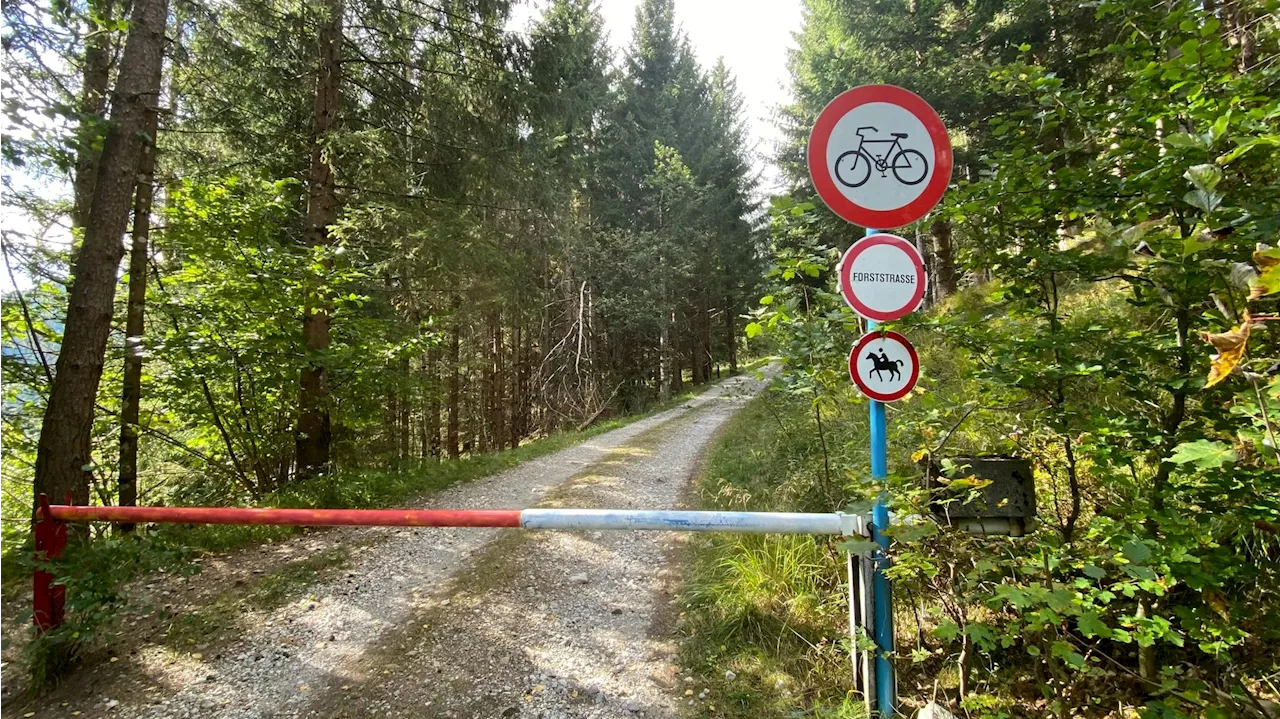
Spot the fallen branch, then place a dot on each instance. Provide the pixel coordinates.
(592, 419)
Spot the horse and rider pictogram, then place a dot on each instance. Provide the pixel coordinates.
(882, 363)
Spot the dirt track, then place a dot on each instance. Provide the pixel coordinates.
(454, 622)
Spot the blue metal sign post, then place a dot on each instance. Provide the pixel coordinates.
(844, 147)
(886, 696)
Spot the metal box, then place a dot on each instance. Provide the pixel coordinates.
(1005, 506)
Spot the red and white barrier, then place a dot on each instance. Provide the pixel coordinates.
(51, 531)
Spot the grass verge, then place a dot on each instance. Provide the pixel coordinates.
(764, 623)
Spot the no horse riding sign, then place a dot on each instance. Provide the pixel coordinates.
(884, 365)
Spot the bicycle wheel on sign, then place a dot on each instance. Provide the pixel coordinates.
(853, 169)
(910, 167)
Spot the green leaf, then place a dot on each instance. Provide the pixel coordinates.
(1204, 177)
(1205, 201)
(947, 631)
(1219, 127)
(753, 329)
(858, 546)
(1136, 552)
(1196, 243)
(982, 635)
(1137, 571)
(1184, 140)
(860, 507)
(766, 300)
(1094, 571)
(1060, 600)
(1206, 454)
(1244, 147)
(1065, 652)
(1091, 625)
(1013, 595)
(912, 532)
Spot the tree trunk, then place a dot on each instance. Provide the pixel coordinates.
(64, 451)
(731, 335)
(1240, 21)
(704, 329)
(451, 441)
(664, 359)
(315, 432)
(945, 272)
(518, 390)
(498, 417)
(98, 52)
(131, 392)
(403, 431)
(696, 376)
(433, 403)
(1171, 424)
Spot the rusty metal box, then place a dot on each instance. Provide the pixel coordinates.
(1005, 506)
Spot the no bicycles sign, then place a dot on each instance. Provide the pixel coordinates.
(879, 156)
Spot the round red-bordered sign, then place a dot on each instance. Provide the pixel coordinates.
(879, 156)
(882, 277)
(884, 365)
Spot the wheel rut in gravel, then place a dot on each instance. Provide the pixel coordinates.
(466, 622)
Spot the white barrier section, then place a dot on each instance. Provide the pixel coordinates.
(682, 521)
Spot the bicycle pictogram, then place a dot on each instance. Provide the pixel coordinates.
(853, 168)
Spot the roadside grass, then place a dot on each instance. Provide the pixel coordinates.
(771, 609)
(763, 620)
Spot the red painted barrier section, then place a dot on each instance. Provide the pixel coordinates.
(51, 530)
(292, 517)
(48, 599)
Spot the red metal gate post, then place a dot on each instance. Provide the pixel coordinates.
(49, 599)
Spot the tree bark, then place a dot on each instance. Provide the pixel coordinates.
(64, 454)
(731, 335)
(499, 401)
(1171, 424)
(451, 440)
(131, 392)
(944, 251)
(433, 403)
(664, 359)
(704, 327)
(98, 51)
(315, 431)
(404, 416)
(518, 390)
(1240, 21)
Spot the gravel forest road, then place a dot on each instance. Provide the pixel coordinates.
(462, 622)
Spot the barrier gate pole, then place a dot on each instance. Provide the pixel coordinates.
(886, 689)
